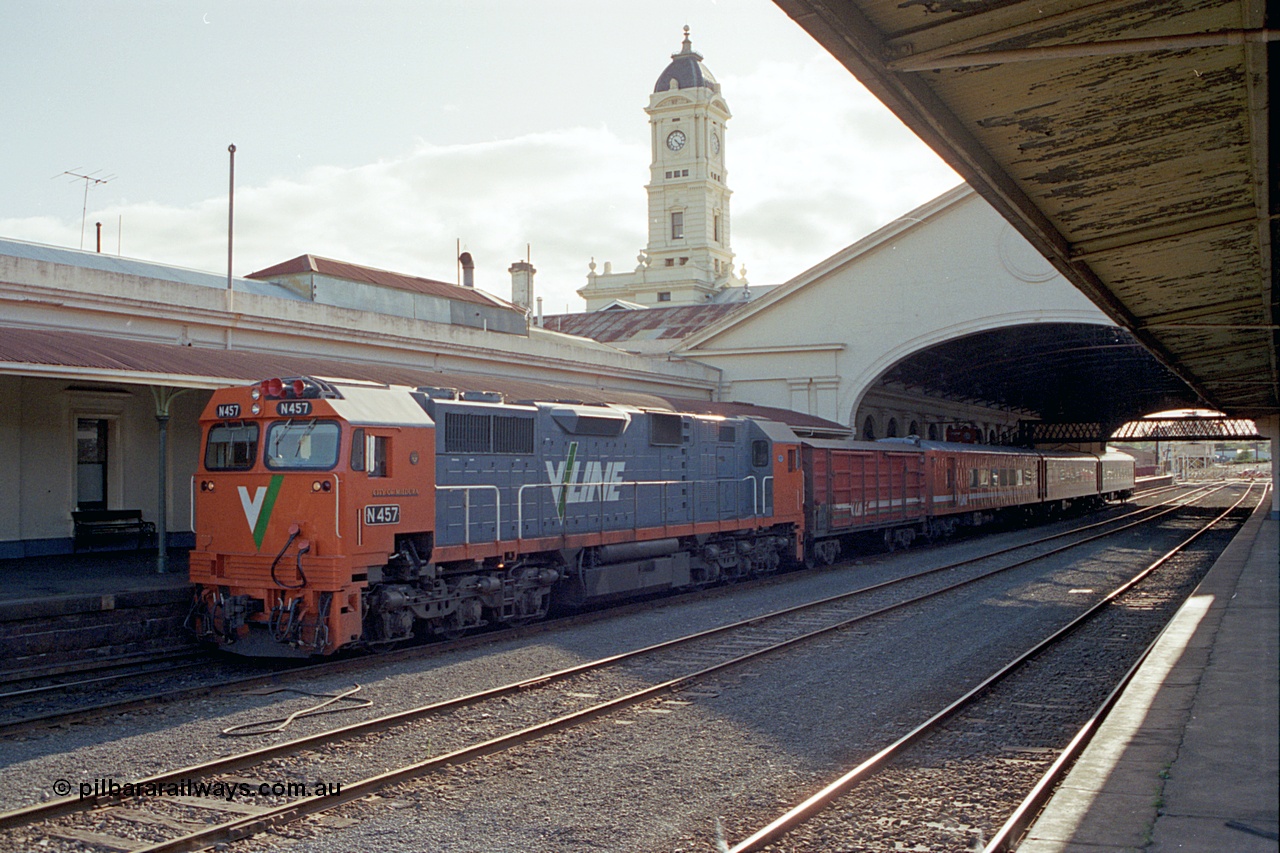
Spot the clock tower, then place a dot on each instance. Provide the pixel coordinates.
(688, 259)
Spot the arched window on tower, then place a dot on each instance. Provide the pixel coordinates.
(869, 429)
(891, 431)
(933, 432)
(914, 429)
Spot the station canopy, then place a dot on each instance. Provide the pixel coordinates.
(1127, 140)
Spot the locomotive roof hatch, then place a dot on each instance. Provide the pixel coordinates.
(380, 406)
(775, 431)
(591, 420)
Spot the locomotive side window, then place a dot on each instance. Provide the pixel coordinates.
(760, 453)
(377, 452)
(357, 450)
(302, 444)
(231, 447)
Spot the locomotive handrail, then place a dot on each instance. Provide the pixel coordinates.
(192, 506)
(466, 508)
(758, 506)
(337, 505)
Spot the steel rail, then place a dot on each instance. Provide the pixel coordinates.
(1026, 812)
(291, 811)
(819, 800)
(68, 805)
(163, 697)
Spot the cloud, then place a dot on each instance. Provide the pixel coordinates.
(814, 161)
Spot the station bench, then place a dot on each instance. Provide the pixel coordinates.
(106, 524)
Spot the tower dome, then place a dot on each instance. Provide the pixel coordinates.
(686, 70)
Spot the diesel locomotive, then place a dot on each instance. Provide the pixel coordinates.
(339, 514)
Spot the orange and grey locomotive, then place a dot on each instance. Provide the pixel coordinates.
(333, 514)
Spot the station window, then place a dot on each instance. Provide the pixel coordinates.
(677, 225)
(670, 262)
(664, 296)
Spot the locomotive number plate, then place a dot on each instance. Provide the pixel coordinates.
(228, 410)
(382, 514)
(293, 408)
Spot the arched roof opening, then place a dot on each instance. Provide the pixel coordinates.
(1053, 372)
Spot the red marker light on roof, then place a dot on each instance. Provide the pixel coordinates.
(298, 387)
(273, 387)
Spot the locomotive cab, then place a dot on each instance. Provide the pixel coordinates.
(303, 490)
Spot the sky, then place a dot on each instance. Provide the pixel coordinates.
(384, 132)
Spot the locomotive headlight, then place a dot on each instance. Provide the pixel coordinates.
(321, 486)
(256, 409)
(256, 393)
(315, 487)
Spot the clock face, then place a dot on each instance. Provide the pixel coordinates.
(715, 144)
(675, 140)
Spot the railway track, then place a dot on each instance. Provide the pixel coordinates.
(478, 724)
(947, 784)
(66, 698)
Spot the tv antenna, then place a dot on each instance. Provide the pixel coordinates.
(90, 180)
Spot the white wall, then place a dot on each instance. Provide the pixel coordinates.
(38, 469)
(950, 268)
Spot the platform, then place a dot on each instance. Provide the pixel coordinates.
(1187, 760)
(61, 612)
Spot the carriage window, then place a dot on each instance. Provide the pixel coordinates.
(302, 444)
(231, 447)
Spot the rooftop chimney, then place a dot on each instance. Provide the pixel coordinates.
(468, 269)
(522, 284)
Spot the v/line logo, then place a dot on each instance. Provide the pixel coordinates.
(582, 481)
(257, 509)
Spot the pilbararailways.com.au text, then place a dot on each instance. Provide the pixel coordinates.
(213, 789)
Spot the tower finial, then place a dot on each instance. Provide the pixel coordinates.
(687, 45)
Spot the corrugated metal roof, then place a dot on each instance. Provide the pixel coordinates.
(80, 356)
(1129, 142)
(383, 278)
(617, 326)
(134, 267)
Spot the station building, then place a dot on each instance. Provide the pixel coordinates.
(106, 363)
